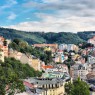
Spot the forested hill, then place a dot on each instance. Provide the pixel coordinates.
(41, 37)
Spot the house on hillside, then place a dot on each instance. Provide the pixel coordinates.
(4, 46)
(26, 59)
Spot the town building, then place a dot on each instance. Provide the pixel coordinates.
(47, 49)
(60, 52)
(92, 40)
(80, 70)
(49, 86)
(93, 67)
(36, 63)
(45, 67)
(53, 47)
(68, 47)
(56, 74)
(58, 71)
(62, 68)
(1, 55)
(26, 59)
(72, 47)
(63, 47)
(59, 58)
(91, 59)
(4, 46)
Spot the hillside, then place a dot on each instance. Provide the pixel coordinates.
(86, 35)
(50, 37)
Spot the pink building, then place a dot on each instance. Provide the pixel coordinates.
(92, 40)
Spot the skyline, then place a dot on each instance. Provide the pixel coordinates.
(48, 15)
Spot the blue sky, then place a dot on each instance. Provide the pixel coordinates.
(48, 15)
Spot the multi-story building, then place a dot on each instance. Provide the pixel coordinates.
(72, 47)
(50, 70)
(59, 58)
(62, 46)
(56, 74)
(49, 86)
(68, 47)
(4, 46)
(62, 68)
(91, 59)
(80, 70)
(93, 67)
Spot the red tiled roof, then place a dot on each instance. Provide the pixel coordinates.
(28, 84)
(46, 67)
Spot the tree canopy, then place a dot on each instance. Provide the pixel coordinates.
(78, 87)
(11, 74)
(24, 47)
(42, 37)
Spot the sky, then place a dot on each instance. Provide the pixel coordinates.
(48, 15)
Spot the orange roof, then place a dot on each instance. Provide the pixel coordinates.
(46, 67)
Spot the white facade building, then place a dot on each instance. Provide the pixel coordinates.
(80, 70)
(62, 46)
(91, 59)
(68, 47)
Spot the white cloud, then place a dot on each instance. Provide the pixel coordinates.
(12, 16)
(49, 23)
(8, 4)
(12, 2)
(50, 1)
(70, 15)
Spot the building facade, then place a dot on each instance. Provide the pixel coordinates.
(80, 70)
(50, 86)
(26, 59)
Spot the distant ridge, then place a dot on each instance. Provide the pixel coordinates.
(50, 37)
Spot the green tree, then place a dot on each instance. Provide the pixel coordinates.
(78, 87)
(23, 47)
(69, 62)
(12, 72)
(68, 88)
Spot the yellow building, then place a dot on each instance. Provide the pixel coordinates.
(47, 49)
(76, 57)
(56, 91)
(36, 63)
(50, 86)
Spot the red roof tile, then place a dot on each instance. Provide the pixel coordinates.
(28, 84)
